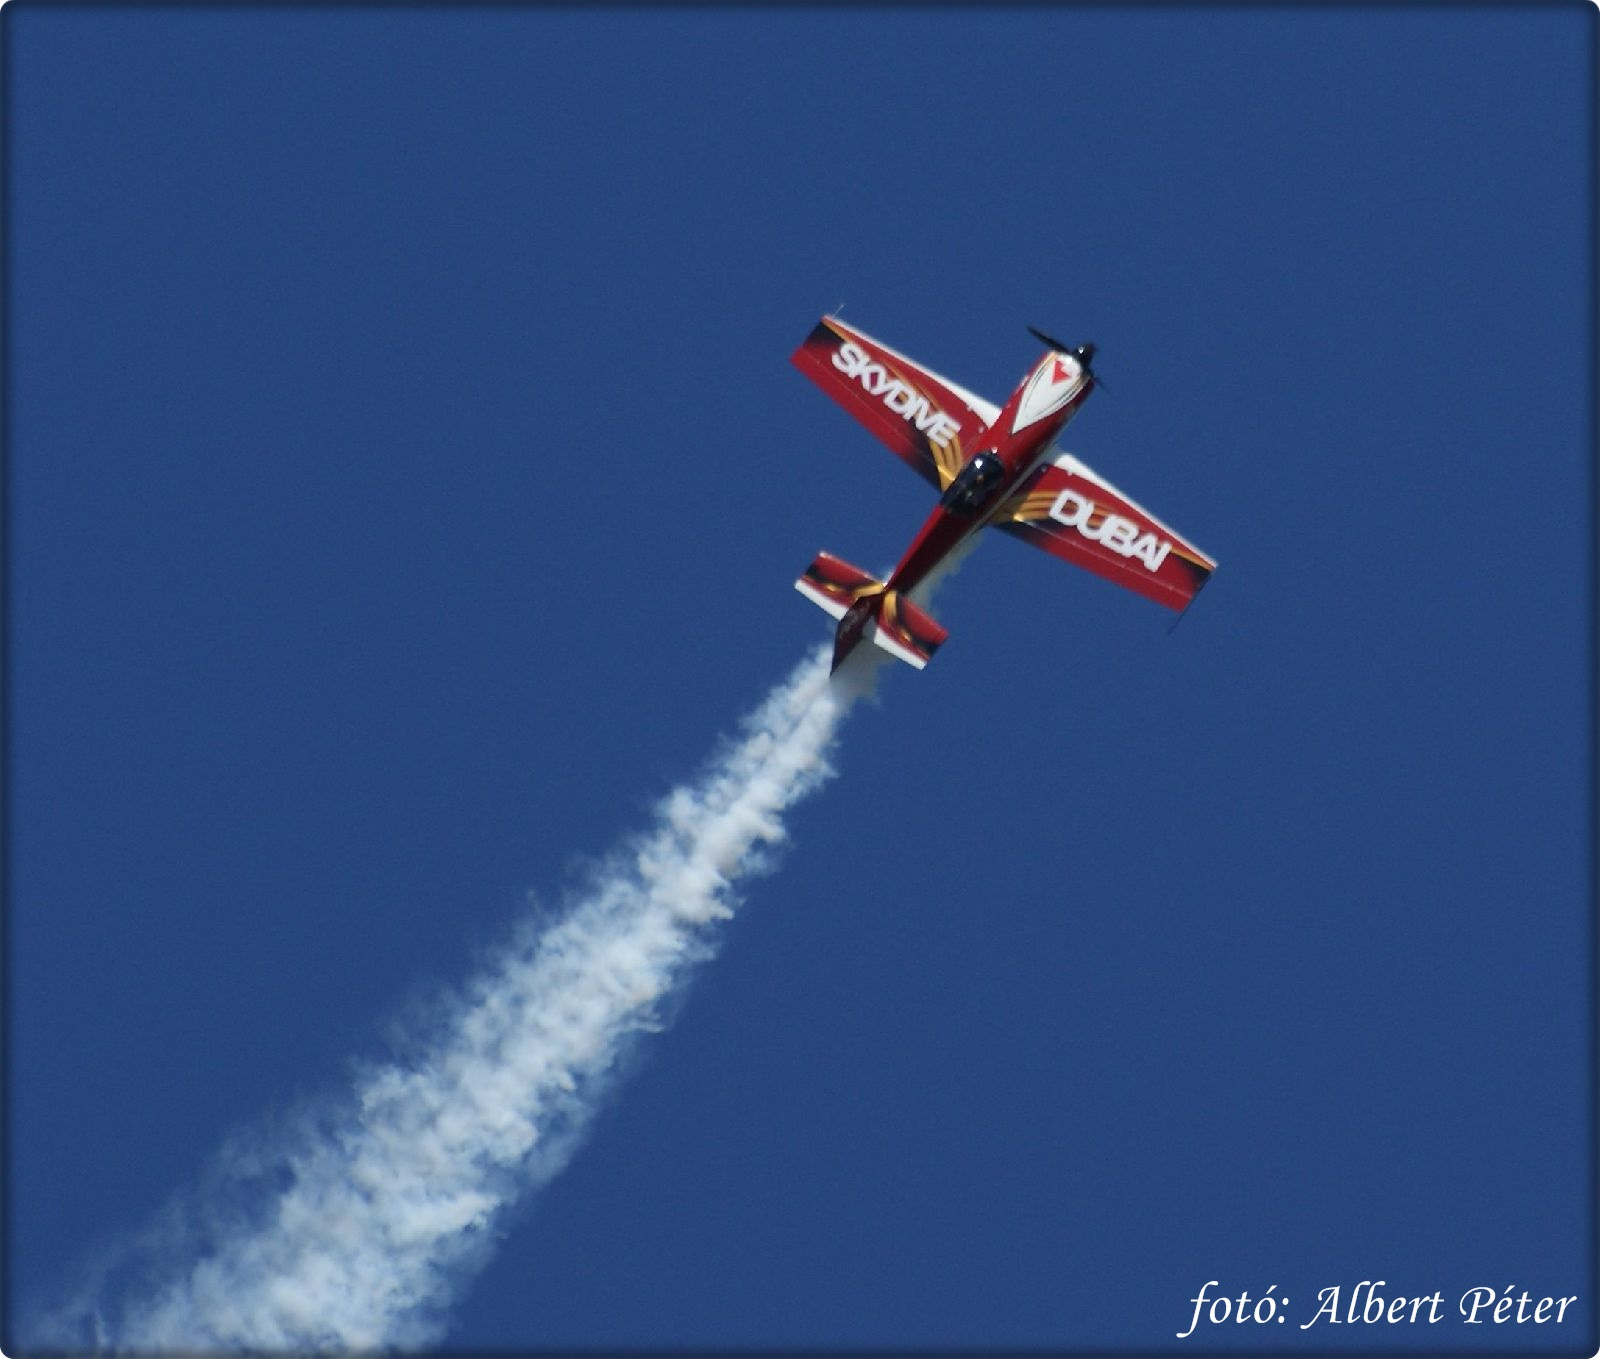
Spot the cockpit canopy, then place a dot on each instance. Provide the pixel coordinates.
(975, 484)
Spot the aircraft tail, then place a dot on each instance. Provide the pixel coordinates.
(865, 608)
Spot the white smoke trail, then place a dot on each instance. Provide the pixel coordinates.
(381, 1206)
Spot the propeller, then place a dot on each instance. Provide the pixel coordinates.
(1049, 341)
(1084, 353)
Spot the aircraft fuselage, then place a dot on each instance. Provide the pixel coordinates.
(1018, 439)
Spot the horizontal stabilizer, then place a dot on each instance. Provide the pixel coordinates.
(833, 585)
(865, 609)
(905, 632)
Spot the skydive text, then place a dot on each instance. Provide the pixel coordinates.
(909, 404)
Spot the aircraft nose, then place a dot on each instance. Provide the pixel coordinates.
(1085, 353)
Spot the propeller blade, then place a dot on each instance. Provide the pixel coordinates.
(1048, 342)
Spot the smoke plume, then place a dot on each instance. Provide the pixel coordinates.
(356, 1229)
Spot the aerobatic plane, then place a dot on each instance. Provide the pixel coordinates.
(994, 466)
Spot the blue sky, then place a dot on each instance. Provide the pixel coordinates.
(405, 479)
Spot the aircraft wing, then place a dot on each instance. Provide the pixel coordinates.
(930, 423)
(1072, 513)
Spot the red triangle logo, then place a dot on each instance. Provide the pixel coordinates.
(1062, 373)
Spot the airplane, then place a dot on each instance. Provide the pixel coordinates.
(994, 466)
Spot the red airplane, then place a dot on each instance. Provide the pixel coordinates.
(995, 466)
